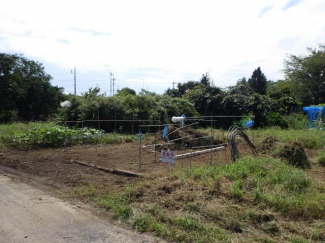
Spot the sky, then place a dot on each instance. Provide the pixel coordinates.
(152, 43)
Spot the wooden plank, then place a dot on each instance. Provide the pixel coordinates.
(113, 171)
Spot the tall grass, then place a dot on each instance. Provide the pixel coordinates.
(208, 203)
(308, 138)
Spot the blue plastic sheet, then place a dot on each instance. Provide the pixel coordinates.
(314, 113)
(165, 133)
(249, 124)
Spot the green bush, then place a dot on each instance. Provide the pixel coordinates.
(298, 121)
(144, 106)
(276, 119)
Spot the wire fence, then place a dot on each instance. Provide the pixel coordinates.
(188, 148)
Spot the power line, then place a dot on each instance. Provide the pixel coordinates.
(86, 81)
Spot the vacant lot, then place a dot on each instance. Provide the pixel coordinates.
(202, 199)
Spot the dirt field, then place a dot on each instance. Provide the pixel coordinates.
(58, 167)
(56, 170)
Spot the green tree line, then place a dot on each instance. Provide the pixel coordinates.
(27, 94)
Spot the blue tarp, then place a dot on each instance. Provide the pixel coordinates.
(165, 133)
(314, 113)
(249, 124)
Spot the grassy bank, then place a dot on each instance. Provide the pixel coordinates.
(308, 138)
(255, 199)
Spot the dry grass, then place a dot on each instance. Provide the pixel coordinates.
(256, 199)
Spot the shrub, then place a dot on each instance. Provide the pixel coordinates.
(276, 119)
(298, 121)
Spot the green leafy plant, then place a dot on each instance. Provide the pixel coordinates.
(58, 136)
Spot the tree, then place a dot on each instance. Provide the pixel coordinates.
(182, 89)
(126, 91)
(242, 81)
(307, 75)
(25, 90)
(282, 93)
(205, 80)
(258, 82)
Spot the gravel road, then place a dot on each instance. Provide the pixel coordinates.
(30, 215)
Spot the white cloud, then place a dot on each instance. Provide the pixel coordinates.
(163, 40)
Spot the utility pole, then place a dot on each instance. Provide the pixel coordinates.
(75, 80)
(110, 84)
(173, 84)
(113, 84)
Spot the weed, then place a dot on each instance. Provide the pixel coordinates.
(308, 138)
(298, 121)
(87, 191)
(180, 207)
(321, 158)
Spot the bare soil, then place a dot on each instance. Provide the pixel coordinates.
(59, 169)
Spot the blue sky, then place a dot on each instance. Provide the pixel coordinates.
(150, 43)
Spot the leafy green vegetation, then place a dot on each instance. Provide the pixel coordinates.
(298, 121)
(25, 90)
(58, 136)
(215, 203)
(306, 75)
(11, 129)
(321, 158)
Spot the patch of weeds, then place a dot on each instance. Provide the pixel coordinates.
(266, 240)
(197, 231)
(308, 138)
(259, 217)
(294, 153)
(298, 121)
(119, 203)
(267, 144)
(234, 226)
(270, 227)
(193, 206)
(186, 222)
(181, 208)
(86, 191)
(237, 189)
(318, 233)
(278, 185)
(298, 240)
(321, 158)
(143, 222)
